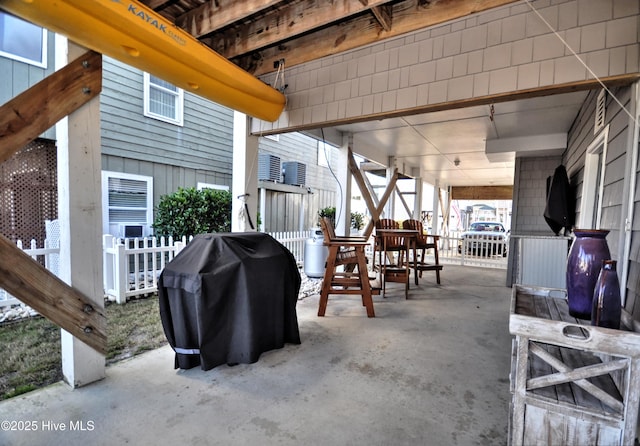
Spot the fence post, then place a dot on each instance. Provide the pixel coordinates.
(121, 280)
(107, 263)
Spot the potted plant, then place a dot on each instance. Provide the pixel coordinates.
(330, 213)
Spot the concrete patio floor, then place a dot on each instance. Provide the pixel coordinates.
(430, 370)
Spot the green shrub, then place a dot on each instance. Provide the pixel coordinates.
(190, 212)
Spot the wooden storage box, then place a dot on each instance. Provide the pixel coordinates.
(571, 383)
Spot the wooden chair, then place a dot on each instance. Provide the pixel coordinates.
(392, 255)
(347, 251)
(424, 242)
(393, 244)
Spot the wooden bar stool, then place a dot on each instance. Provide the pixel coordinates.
(347, 252)
(424, 242)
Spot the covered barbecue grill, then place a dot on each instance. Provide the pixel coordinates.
(227, 298)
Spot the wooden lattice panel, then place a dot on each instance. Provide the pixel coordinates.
(28, 192)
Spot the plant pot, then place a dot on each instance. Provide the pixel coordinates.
(587, 252)
(607, 307)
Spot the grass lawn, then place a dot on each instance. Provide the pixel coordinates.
(31, 348)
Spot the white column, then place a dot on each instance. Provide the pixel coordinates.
(390, 207)
(245, 176)
(343, 205)
(417, 201)
(80, 215)
(435, 222)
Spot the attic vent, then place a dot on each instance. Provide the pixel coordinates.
(600, 112)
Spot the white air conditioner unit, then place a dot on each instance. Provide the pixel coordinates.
(130, 231)
(268, 167)
(294, 173)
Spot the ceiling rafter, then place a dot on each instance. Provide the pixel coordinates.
(217, 14)
(408, 15)
(258, 34)
(383, 15)
(297, 18)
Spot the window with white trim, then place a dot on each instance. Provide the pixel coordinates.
(162, 100)
(127, 204)
(201, 186)
(593, 182)
(22, 41)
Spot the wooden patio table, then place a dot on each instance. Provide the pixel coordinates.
(400, 271)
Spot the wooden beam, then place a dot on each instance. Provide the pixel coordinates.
(362, 183)
(31, 113)
(375, 215)
(283, 24)
(403, 201)
(408, 16)
(34, 285)
(482, 192)
(383, 15)
(216, 14)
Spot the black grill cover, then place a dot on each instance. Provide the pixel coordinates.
(226, 298)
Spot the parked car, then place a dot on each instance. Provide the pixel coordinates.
(485, 238)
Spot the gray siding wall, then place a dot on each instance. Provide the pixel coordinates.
(613, 203)
(199, 151)
(530, 194)
(175, 156)
(17, 77)
(283, 210)
(580, 136)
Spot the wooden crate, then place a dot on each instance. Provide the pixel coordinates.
(571, 383)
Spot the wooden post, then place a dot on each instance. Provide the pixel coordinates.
(80, 215)
(244, 205)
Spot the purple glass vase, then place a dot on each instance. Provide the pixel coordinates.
(607, 308)
(587, 252)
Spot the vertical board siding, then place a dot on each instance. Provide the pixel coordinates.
(283, 209)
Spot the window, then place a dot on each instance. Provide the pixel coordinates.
(201, 186)
(23, 41)
(593, 183)
(162, 100)
(324, 154)
(127, 204)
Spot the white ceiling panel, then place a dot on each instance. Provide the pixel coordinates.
(432, 141)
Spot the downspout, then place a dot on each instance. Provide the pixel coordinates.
(628, 223)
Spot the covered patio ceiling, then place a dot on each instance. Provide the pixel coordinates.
(448, 146)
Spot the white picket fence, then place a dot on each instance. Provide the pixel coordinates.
(131, 267)
(294, 241)
(452, 251)
(51, 255)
